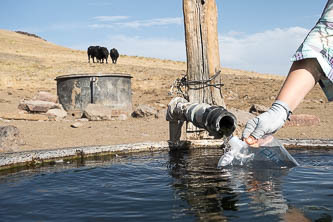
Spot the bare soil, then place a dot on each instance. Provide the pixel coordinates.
(29, 65)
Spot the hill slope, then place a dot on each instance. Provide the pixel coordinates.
(32, 64)
(29, 65)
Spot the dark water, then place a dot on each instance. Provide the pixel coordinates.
(179, 186)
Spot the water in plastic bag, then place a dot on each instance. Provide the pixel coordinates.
(238, 153)
(269, 154)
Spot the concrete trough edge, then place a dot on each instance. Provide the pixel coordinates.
(28, 158)
(35, 157)
(307, 143)
(7, 159)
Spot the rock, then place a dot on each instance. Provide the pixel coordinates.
(258, 109)
(4, 120)
(161, 105)
(83, 120)
(96, 112)
(76, 125)
(10, 139)
(302, 120)
(22, 116)
(242, 116)
(46, 96)
(38, 106)
(232, 95)
(56, 113)
(22, 112)
(23, 105)
(122, 117)
(246, 97)
(144, 111)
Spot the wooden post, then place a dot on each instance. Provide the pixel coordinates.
(202, 51)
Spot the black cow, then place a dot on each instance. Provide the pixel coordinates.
(100, 53)
(103, 53)
(93, 52)
(114, 55)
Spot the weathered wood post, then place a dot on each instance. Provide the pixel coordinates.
(202, 51)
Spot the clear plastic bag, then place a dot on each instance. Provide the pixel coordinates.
(270, 153)
(237, 154)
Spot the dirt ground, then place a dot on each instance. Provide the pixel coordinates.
(29, 65)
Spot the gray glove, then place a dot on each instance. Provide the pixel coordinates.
(268, 122)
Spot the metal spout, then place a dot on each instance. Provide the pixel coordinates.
(215, 119)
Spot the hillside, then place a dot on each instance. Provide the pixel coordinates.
(29, 65)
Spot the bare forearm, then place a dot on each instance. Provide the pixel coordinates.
(301, 79)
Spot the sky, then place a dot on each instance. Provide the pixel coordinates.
(254, 35)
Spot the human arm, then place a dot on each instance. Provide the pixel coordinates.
(302, 77)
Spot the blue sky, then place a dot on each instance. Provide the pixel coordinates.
(254, 35)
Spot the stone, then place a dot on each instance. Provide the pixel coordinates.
(246, 97)
(232, 95)
(4, 120)
(56, 113)
(242, 116)
(22, 116)
(258, 109)
(97, 112)
(144, 111)
(22, 112)
(23, 105)
(302, 120)
(83, 120)
(161, 105)
(122, 117)
(10, 139)
(46, 96)
(38, 106)
(76, 125)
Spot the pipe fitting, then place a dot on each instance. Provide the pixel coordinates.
(215, 119)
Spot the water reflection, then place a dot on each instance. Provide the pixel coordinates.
(216, 194)
(204, 190)
(178, 186)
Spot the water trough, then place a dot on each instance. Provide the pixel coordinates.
(77, 91)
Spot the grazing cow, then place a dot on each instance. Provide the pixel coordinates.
(103, 53)
(93, 52)
(114, 55)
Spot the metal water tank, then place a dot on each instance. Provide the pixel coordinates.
(76, 91)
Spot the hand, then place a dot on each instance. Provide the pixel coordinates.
(268, 122)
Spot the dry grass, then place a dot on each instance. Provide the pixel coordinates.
(31, 62)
